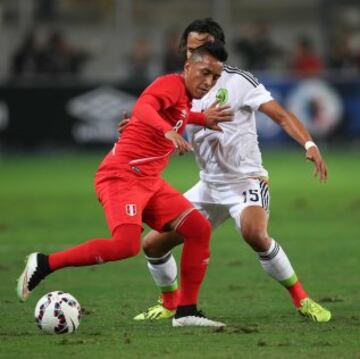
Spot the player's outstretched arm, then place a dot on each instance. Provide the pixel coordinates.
(295, 129)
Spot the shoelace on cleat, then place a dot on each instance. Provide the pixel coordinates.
(200, 314)
(313, 309)
(150, 315)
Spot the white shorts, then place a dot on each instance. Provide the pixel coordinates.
(218, 202)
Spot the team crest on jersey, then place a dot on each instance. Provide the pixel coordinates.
(131, 210)
(222, 96)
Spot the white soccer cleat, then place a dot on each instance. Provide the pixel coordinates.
(36, 268)
(196, 321)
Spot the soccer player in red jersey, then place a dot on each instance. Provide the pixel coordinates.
(131, 190)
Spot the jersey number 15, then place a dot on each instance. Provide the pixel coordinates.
(251, 195)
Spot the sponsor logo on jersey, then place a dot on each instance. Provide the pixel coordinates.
(222, 96)
(131, 210)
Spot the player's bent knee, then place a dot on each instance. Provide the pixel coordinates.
(254, 234)
(126, 249)
(134, 247)
(195, 224)
(127, 241)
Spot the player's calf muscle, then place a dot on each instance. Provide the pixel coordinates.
(158, 244)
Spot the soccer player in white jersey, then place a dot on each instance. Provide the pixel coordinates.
(233, 182)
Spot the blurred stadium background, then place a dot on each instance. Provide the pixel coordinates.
(69, 68)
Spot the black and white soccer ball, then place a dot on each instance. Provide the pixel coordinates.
(58, 313)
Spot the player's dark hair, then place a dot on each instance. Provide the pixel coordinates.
(202, 26)
(215, 49)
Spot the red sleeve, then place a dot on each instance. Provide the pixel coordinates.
(167, 89)
(161, 94)
(197, 118)
(147, 110)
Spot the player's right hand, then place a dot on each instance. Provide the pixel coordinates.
(123, 123)
(178, 141)
(216, 114)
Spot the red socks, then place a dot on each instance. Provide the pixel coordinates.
(170, 300)
(126, 242)
(196, 231)
(297, 293)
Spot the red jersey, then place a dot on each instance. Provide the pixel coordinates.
(142, 147)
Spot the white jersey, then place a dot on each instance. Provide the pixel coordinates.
(234, 154)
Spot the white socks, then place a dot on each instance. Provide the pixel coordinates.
(276, 263)
(164, 271)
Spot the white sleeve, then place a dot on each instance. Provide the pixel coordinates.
(196, 105)
(256, 97)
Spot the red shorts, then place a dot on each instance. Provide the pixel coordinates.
(134, 200)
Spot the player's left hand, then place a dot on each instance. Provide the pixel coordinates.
(216, 114)
(123, 123)
(313, 154)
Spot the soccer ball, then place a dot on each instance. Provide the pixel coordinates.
(57, 313)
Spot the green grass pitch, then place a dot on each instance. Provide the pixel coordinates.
(47, 203)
